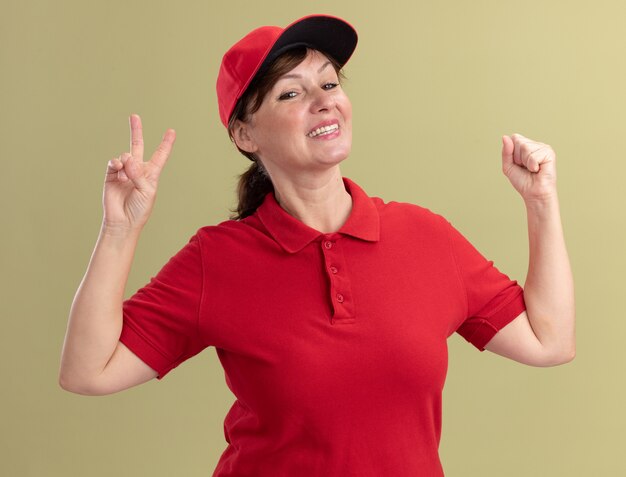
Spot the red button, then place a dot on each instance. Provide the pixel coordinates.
(328, 244)
(339, 297)
(333, 269)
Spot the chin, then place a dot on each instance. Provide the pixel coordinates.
(336, 158)
(339, 153)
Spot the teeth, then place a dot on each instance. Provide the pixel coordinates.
(323, 130)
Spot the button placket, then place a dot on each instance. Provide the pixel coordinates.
(336, 270)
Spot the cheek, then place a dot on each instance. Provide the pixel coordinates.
(285, 134)
(346, 110)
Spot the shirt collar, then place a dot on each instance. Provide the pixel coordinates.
(293, 235)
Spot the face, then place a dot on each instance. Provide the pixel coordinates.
(304, 122)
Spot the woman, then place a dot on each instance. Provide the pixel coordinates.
(329, 309)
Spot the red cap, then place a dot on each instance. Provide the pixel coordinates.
(259, 48)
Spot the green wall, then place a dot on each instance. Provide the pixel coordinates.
(433, 85)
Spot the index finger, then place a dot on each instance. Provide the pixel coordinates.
(136, 137)
(507, 149)
(518, 140)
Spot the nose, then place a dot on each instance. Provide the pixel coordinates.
(322, 101)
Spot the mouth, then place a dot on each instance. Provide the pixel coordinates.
(324, 130)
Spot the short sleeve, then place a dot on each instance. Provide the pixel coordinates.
(160, 323)
(493, 299)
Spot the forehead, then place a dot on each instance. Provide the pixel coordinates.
(314, 62)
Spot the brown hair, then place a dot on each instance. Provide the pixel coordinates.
(255, 183)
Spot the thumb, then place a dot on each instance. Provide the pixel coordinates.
(507, 153)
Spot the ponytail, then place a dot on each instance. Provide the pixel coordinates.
(253, 186)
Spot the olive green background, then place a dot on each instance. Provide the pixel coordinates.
(434, 85)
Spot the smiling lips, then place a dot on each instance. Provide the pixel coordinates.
(324, 130)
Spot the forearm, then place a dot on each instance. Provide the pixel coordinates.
(549, 287)
(95, 320)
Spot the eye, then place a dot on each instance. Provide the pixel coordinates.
(330, 85)
(287, 95)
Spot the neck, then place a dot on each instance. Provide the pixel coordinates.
(321, 202)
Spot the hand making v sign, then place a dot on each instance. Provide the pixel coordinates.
(130, 184)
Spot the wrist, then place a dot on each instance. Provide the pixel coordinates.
(543, 203)
(119, 231)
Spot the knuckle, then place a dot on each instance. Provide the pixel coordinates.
(537, 152)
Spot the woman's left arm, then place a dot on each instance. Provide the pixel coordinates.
(544, 334)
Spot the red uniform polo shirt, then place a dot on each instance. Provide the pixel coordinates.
(334, 345)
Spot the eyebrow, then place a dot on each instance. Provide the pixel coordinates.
(293, 75)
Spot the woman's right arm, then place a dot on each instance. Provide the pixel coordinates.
(93, 360)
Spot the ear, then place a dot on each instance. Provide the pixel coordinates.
(242, 137)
